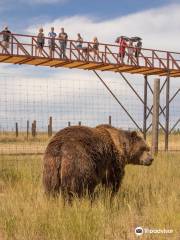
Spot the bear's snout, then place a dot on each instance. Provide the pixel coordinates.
(148, 161)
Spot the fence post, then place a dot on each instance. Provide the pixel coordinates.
(109, 120)
(27, 129)
(34, 128)
(50, 127)
(155, 118)
(17, 132)
(145, 107)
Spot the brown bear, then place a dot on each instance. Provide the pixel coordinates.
(78, 158)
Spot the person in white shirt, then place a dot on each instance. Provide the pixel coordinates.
(130, 51)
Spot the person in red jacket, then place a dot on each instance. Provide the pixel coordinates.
(122, 49)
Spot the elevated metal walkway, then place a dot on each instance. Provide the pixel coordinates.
(23, 50)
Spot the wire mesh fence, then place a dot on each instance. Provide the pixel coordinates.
(33, 108)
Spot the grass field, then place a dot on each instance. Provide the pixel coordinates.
(9, 144)
(149, 197)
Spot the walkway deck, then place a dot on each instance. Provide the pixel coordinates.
(23, 50)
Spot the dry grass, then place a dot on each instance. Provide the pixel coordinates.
(9, 144)
(149, 197)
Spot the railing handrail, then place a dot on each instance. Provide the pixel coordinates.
(155, 58)
(22, 44)
(89, 42)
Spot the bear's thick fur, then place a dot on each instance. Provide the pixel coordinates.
(78, 158)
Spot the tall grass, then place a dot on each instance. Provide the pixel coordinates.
(149, 197)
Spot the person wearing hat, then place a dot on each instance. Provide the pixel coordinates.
(6, 34)
(40, 42)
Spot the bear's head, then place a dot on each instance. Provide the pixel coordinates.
(137, 150)
(130, 145)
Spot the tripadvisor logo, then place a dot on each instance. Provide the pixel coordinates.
(139, 231)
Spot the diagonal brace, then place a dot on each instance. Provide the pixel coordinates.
(114, 96)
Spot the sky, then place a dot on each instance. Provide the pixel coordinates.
(156, 21)
(21, 14)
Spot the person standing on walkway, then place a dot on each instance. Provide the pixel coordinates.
(6, 35)
(138, 50)
(40, 42)
(63, 37)
(96, 49)
(52, 35)
(122, 49)
(79, 45)
(79, 41)
(130, 51)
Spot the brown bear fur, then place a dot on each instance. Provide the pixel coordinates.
(78, 158)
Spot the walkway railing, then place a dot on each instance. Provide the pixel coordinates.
(26, 45)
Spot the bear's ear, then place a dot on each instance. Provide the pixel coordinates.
(134, 135)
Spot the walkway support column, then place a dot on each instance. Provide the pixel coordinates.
(145, 108)
(167, 114)
(155, 119)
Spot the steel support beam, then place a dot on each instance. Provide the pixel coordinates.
(150, 87)
(178, 121)
(170, 100)
(167, 113)
(122, 106)
(155, 119)
(145, 107)
(125, 79)
(164, 108)
(163, 85)
(149, 109)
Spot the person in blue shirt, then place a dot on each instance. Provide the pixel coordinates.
(52, 35)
